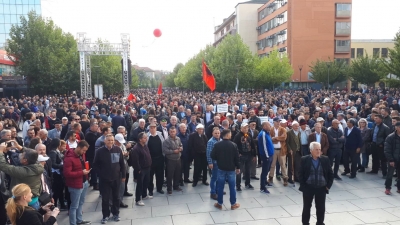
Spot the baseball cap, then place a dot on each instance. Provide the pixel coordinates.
(200, 126)
(397, 124)
(319, 119)
(283, 121)
(42, 158)
(120, 138)
(276, 119)
(244, 125)
(164, 120)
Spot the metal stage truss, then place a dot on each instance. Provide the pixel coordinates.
(86, 48)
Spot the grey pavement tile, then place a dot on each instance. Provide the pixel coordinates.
(392, 199)
(343, 218)
(340, 206)
(364, 184)
(169, 210)
(395, 211)
(275, 201)
(371, 203)
(198, 207)
(192, 219)
(245, 203)
(226, 224)
(297, 210)
(375, 216)
(341, 195)
(298, 198)
(125, 222)
(294, 220)
(341, 186)
(368, 193)
(89, 207)
(229, 216)
(394, 223)
(282, 191)
(137, 212)
(166, 220)
(155, 201)
(259, 222)
(268, 213)
(187, 198)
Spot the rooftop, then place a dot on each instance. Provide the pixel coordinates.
(373, 40)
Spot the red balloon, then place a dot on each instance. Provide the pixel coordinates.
(157, 33)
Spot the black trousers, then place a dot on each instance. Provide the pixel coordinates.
(245, 164)
(185, 163)
(174, 174)
(142, 184)
(378, 159)
(157, 169)
(350, 154)
(3, 213)
(290, 165)
(297, 165)
(320, 197)
(110, 190)
(58, 189)
(389, 178)
(200, 166)
(93, 174)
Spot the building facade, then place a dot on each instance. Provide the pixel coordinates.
(371, 47)
(10, 13)
(306, 30)
(241, 22)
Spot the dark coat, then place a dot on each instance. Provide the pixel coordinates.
(306, 163)
(392, 147)
(353, 140)
(197, 144)
(324, 142)
(383, 132)
(33, 217)
(211, 118)
(118, 121)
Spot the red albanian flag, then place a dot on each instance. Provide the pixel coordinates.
(208, 77)
(159, 92)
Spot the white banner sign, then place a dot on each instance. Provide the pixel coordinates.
(222, 108)
(263, 119)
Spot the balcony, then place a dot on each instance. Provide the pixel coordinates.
(342, 46)
(343, 10)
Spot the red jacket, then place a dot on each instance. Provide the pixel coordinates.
(73, 170)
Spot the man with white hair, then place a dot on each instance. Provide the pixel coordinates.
(43, 137)
(316, 178)
(141, 128)
(173, 122)
(198, 144)
(293, 145)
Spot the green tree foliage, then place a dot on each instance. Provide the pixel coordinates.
(337, 71)
(135, 79)
(169, 81)
(392, 64)
(46, 55)
(190, 76)
(367, 70)
(232, 58)
(272, 70)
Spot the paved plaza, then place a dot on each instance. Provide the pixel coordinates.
(350, 202)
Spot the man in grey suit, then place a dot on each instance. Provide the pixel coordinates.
(55, 133)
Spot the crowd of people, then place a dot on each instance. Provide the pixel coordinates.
(70, 144)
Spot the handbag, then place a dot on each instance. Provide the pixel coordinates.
(44, 197)
(368, 148)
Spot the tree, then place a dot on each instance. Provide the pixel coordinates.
(232, 58)
(392, 64)
(190, 76)
(338, 70)
(272, 70)
(169, 81)
(135, 80)
(366, 70)
(46, 55)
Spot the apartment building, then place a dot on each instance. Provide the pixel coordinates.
(370, 47)
(242, 21)
(306, 30)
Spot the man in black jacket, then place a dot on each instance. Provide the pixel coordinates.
(316, 178)
(91, 138)
(379, 132)
(226, 154)
(110, 165)
(352, 147)
(392, 153)
(198, 144)
(141, 161)
(247, 153)
(118, 120)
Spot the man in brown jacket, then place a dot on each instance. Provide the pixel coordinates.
(278, 135)
(293, 145)
(320, 137)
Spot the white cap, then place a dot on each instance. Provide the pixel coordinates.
(200, 126)
(42, 158)
(64, 118)
(283, 121)
(244, 125)
(120, 138)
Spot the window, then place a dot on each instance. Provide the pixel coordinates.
(343, 28)
(360, 52)
(384, 52)
(342, 46)
(343, 10)
(375, 52)
(352, 53)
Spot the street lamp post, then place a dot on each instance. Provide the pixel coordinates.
(97, 78)
(329, 67)
(301, 68)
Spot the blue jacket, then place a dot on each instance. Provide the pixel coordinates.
(353, 140)
(265, 146)
(184, 139)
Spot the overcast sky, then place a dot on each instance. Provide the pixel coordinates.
(187, 25)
